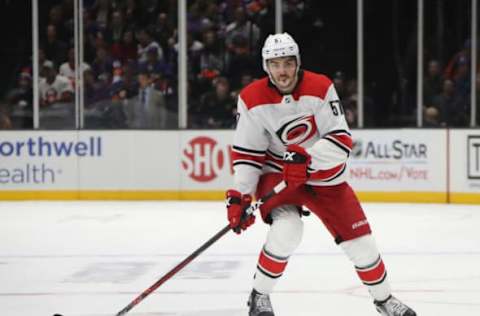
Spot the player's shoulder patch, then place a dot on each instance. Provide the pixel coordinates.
(259, 93)
(314, 84)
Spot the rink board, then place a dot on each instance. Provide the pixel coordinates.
(397, 165)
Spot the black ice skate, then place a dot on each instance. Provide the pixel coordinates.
(259, 304)
(393, 307)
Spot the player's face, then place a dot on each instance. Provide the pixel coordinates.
(283, 72)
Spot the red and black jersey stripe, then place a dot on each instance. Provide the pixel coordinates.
(327, 174)
(274, 160)
(342, 139)
(245, 156)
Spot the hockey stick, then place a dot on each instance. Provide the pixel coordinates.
(249, 211)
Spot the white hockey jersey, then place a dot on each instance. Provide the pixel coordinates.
(311, 116)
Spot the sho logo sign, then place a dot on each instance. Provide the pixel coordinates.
(473, 157)
(204, 159)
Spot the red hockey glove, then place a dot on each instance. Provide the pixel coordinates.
(295, 165)
(236, 206)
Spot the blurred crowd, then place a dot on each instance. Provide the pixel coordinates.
(446, 94)
(130, 62)
(130, 67)
(446, 91)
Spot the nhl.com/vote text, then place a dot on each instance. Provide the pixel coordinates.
(403, 173)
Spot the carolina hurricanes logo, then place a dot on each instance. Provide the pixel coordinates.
(297, 130)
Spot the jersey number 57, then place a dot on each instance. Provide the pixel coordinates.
(337, 107)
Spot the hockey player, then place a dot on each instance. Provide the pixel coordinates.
(291, 127)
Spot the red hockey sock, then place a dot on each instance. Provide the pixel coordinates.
(271, 265)
(269, 269)
(372, 274)
(369, 265)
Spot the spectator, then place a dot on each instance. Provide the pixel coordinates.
(93, 91)
(217, 107)
(145, 43)
(165, 86)
(127, 87)
(239, 59)
(54, 88)
(91, 30)
(431, 117)
(264, 15)
(162, 30)
(211, 17)
(102, 66)
(194, 19)
(462, 79)
(226, 10)
(55, 50)
(20, 99)
(432, 83)
(350, 105)
(126, 49)
(90, 26)
(149, 9)
(245, 79)
(154, 66)
(450, 105)
(22, 95)
(117, 72)
(460, 58)
(5, 122)
(115, 30)
(149, 109)
(67, 69)
(478, 100)
(458, 70)
(351, 112)
(339, 83)
(55, 18)
(244, 28)
(102, 10)
(349, 102)
(68, 23)
(195, 48)
(132, 14)
(296, 18)
(212, 57)
(42, 59)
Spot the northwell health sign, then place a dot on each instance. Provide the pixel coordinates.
(416, 165)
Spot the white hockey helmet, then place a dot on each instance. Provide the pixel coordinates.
(279, 45)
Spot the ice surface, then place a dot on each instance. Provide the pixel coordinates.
(93, 258)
